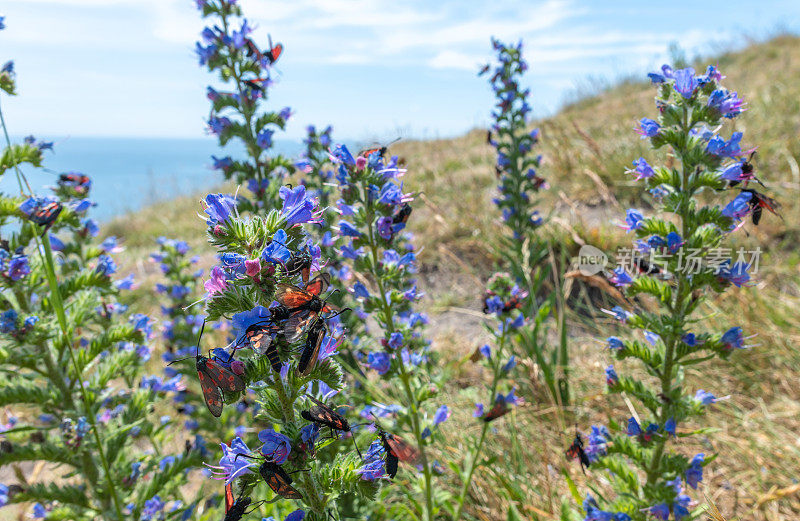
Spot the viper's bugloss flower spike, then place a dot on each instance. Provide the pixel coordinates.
(692, 112)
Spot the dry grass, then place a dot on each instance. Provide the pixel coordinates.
(586, 148)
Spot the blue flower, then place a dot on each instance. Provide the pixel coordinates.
(733, 339)
(704, 397)
(634, 220)
(719, 147)
(642, 169)
(441, 416)
(670, 426)
(619, 313)
(348, 230)
(685, 82)
(379, 410)
(611, 376)
(276, 446)
(373, 466)
(360, 291)
(105, 265)
(651, 337)
(694, 474)
(614, 343)
(297, 515)
(342, 155)
(648, 128)
(739, 208)
(152, 509)
(508, 366)
(379, 361)
(298, 207)
(395, 340)
(494, 304)
(18, 267)
(633, 427)
(243, 320)
(276, 251)
(620, 277)
(205, 53)
(8, 321)
(486, 351)
(728, 104)
(390, 194)
(56, 244)
(660, 511)
(219, 208)
(674, 241)
(264, 139)
(166, 461)
(234, 461)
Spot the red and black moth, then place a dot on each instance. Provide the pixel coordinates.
(259, 336)
(397, 449)
(299, 263)
(321, 414)
(499, 409)
(214, 378)
(575, 451)
(235, 509)
(758, 202)
(271, 56)
(380, 149)
(310, 353)
(257, 83)
(278, 480)
(304, 305)
(47, 214)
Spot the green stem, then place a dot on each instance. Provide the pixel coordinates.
(472, 465)
(405, 377)
(677, 320)
(58, 305)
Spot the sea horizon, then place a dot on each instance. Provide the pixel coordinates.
(130, 173)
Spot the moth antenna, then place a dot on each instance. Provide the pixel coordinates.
(202, 328)
(360, 456)
(181, 359)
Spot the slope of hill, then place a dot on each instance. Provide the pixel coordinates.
(587, 147)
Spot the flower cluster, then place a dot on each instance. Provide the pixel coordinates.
(227, 47)
(525, 252)
(502, 300)
(266, 283)
(516, 168)
(74, 357)
(374, 209)
(179, 331)
(692, 109)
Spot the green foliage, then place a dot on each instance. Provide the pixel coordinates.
(648, 478)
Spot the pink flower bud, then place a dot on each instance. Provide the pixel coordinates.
(361, 162)
(237, 366)
(252, 267)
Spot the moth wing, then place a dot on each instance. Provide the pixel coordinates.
(224, 378)
(291, 296)
(211, 394)
(319, 284)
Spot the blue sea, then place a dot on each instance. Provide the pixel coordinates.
(129, 173)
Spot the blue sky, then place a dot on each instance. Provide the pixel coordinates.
(375, 69)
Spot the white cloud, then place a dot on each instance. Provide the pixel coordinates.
(454, 60)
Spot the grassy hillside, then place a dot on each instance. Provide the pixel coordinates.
(587, 147)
